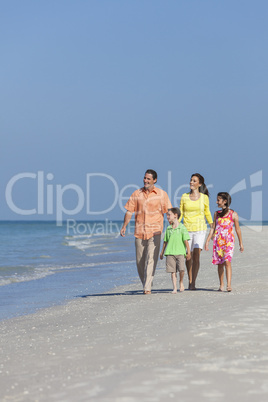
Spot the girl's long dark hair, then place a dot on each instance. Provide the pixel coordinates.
(226, 197)
(203, 188)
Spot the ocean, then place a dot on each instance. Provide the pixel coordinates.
(43, 264)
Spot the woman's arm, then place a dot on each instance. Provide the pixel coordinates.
(211, 232)
(181, 209)
(207, 211)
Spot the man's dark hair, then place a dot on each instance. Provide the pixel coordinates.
(152, 172)
(176, 211)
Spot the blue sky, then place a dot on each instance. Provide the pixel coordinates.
(95, 92)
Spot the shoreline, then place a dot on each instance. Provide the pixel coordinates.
(125, 346)
(29, 297)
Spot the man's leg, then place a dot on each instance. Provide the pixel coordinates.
(153, 249)
(141, 253)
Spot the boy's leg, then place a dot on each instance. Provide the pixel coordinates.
(181, 281)
(174, 282)
(228, 268)
(180, 267)
(171, 267)
(221, 276)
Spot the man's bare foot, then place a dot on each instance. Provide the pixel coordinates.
(174, 291)
(229, 289)
(221, 289)
(181, 288)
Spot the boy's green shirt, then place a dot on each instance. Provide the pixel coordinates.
(175, 240)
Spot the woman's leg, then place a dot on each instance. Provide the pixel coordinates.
(195, 266)
(189, 266)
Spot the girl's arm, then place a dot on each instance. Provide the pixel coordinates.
(211, 232)
(163, 250)
(238, 231)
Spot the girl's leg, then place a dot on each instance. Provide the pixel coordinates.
(196, 265)
(221, 276)
(228, 268)
(181, 281)
(174, 281)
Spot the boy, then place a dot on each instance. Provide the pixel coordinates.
(175, 246)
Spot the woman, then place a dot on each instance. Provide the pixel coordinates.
(194, 208)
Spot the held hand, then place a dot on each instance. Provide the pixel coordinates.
(188, 256)
(161, 256)
(123, 231)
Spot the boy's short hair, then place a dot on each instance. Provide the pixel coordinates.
(176, 211)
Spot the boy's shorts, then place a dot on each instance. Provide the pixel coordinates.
(175, 263)
(197, 239)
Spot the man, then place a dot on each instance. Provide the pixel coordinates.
(149, 204)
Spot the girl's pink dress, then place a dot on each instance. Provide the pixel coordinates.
(223, 242)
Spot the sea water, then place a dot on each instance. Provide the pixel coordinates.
(43, 264)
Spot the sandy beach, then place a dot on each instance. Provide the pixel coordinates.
(124, 346)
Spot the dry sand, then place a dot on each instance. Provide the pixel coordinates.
(124, 346)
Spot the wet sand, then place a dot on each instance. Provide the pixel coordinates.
(124, 346)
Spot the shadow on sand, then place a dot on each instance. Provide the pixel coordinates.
(140, 292)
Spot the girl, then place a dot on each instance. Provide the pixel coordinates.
(194, 208)
(223, 241)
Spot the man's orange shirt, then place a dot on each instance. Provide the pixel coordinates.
(149, 211)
